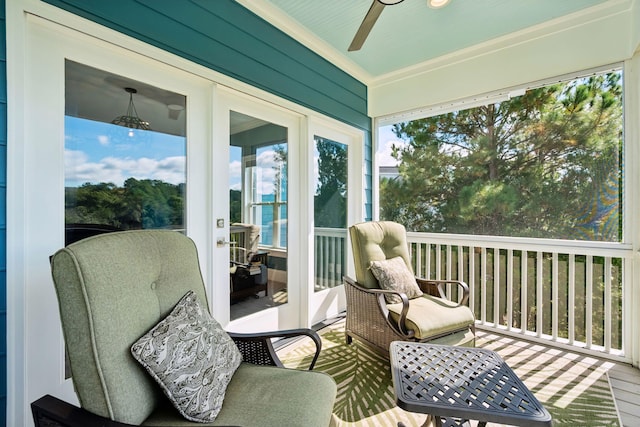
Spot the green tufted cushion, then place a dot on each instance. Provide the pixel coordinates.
(444, 316)
(376, 241)
(252, 391)
(112, 289)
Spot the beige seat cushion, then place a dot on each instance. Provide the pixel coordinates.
(429, 316)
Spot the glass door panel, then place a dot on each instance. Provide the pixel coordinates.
(125, 154)
(88, 175)
(336, 177)
(330, 212)
(258, 196)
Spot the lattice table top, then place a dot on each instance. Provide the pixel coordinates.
(462, 382)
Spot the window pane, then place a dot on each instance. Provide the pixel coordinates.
(269, 185)
(258, 204)
(545, 164)
(117, 177)
(330, 212)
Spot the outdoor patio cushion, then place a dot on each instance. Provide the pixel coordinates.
(191, 357)
(115, 287)
(252, 390)
(443, 316)
(377, 321)
(377, 241)
(111, 293)
(394, 275)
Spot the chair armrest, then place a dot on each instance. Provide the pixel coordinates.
(49, 411)
(427, 286)
(239, 264)
(257, 348)
(379, 294)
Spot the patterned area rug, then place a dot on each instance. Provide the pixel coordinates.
(574, 388)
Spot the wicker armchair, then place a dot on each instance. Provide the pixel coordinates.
(428, 318)
(112, 288)
(248, 269)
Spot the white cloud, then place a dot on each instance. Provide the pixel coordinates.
(73, 158)
(383, 155)
(103, 140)
(235, 180)
(171, 169)
(387, 139)
(267, 166)
(116, 170)
(267, 159)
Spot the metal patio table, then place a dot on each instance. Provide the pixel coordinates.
(461, 383)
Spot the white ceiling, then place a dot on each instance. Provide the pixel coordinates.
(98, 95)
(409, 33)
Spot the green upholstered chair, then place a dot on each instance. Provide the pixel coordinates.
(427, 318)
(111, 290)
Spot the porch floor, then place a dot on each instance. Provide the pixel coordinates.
(624, 379)
(625, 385)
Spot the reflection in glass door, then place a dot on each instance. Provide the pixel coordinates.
(122, 172)
(258, 196)
(330, 212)
(125, 154)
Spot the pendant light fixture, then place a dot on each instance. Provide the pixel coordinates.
(130, 119)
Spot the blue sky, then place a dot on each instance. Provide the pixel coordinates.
(386, 139)
(102, 152)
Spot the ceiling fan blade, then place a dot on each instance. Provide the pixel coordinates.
(367, 24)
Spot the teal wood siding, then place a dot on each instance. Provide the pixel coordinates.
(3, 215)
(226, 37)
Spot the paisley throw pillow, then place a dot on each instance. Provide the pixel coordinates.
(394, 275)
(191, 357)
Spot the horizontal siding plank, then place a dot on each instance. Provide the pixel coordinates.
(199, 26)
(215, 34)
(280, 40)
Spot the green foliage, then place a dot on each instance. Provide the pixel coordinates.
(330, 202)
(545, 164)
(235, 206)
(138, 204)
(483, 203)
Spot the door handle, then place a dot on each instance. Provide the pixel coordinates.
(221, 242)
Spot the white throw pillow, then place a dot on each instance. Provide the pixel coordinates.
(394, 275)
(191, 357)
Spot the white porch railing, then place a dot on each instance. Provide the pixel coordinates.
(568, 292)
(330, 257)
